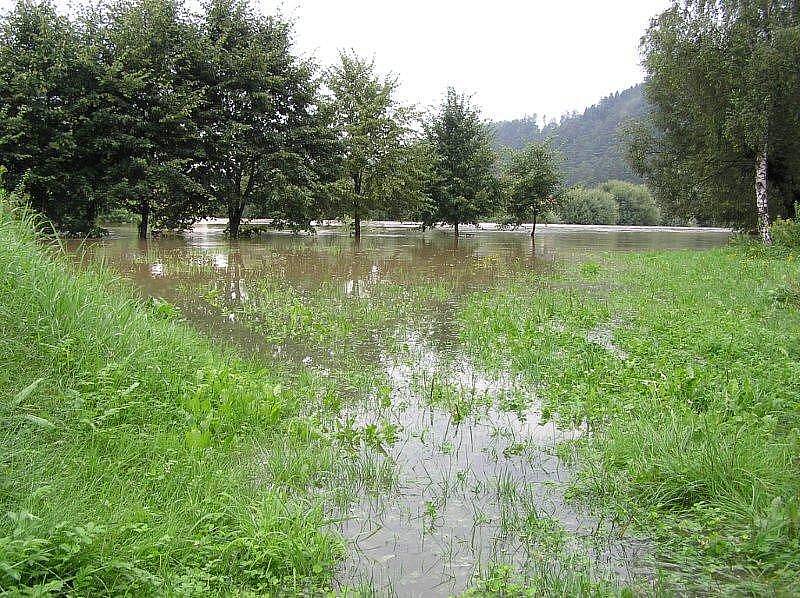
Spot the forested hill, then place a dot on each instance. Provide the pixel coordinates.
(588, 141)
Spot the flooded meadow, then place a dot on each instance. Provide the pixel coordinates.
(467, 469)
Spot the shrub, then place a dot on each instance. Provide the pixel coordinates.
(588, 206)
(786, 233)
(551, 217)
(637, 206)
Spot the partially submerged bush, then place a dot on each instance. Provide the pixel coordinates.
(588, 206)
(637, 206)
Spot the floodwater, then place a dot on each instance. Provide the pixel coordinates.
(477, 475)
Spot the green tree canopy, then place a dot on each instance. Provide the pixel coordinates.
(383, 163)
(152, 48)
(265, 140)
(464, 187)
(724, 84)
(49, 118)
(531, 178)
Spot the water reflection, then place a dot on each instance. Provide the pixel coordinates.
(167, 267)
(478, 477)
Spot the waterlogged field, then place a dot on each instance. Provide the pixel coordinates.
(589, 417)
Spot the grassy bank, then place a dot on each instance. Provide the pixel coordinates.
(136, 458)
(686, 367)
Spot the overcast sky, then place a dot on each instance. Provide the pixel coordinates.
(518, 57)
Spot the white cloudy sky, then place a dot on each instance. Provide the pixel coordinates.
(517, 57)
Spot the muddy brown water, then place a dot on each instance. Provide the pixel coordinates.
(473, 488)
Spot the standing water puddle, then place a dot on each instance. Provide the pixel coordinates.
(478, 483)
(476, 479)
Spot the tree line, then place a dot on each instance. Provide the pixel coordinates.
(169, 115)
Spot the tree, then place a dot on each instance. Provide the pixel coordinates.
(267, 143)
(724, 84)
(464, 187)
(153, 94)
(532, 179)
(48, 125)
(383, 164)
(588, 206)
(637, 206)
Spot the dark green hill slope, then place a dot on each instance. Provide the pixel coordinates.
(588, 141)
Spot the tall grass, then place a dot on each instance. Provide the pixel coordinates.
(133, 454)
(696, 433)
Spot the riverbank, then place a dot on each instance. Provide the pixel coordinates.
(512, 421)
(136, 458)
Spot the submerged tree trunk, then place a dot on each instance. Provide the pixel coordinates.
(357, 189)
(455, 229)
(235, 211)
(357, 224)
(762, 205)
(533, 230)
(144, 223)
(91, 216)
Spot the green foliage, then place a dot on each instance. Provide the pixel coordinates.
(723, 83)
(589, 141)
(265, 139)
(637, 206)
(463, 186)
(151, 104)
(49, 125)
(203, 110)
(383, 163)
(532, 180)
(694, 435)
(588, 206)
(786, 233)
(788, 293)
(133, 454)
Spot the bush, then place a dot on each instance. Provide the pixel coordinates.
(550, 217)
(786, 233)
(588, 206)
(637, 206)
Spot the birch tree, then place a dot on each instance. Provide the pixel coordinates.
(724, 84)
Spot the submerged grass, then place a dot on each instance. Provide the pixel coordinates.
(137, 459)
(696, 424)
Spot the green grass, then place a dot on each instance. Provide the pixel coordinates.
(135, 458)
(696, 435)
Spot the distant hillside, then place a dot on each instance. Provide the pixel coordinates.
(588, 140)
